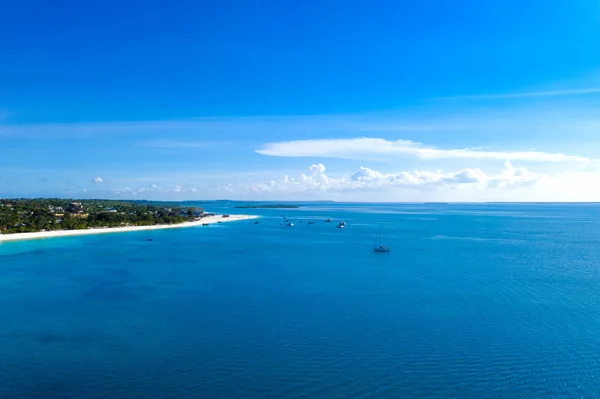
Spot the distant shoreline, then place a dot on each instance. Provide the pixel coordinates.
(106, 230)
(267, 206)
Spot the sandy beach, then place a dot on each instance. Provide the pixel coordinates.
(68, 233)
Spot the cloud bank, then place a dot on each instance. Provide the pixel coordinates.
(365, 179)
(509, 183)
(373, 148)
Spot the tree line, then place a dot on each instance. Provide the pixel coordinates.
(32, 215)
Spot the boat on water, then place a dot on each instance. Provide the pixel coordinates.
(148, 239)
(256, 222)
(311, 222)
(341, 225)
(378, 246)
(329, 220)
(290, 224)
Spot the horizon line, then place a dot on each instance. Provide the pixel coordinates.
(307, 201)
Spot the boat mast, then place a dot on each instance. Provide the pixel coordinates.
(377, 239)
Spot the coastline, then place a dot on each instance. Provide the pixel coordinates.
(106, 230)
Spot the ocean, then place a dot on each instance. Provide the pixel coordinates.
(473, 301)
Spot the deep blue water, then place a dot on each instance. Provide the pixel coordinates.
(473, 301)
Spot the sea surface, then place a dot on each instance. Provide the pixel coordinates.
(473, 301)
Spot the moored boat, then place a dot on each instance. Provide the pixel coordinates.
(378, 246)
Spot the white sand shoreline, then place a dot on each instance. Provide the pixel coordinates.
(105, 230)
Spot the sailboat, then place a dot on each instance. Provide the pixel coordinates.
(378, 246)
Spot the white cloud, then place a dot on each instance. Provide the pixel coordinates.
(153, 191)
(371, 148)
(415, 178)
(366, 179)
(512, 177)
(366, 174)
(317, 168)
(510, 183)
(574, 186)
(98, 180)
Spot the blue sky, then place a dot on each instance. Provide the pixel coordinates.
(366, 101)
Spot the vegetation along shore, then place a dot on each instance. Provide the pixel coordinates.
(44, 218)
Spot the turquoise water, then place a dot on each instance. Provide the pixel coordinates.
(473, 301)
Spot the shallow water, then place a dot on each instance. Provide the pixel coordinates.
(473, 301)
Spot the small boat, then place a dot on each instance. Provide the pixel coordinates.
(378, 246)
(311, 222)
(205, 224)
(290, 224)
(148, 239)
(256, 222)
(341, 225)
(329, 220)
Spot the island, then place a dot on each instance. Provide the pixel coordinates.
(44, 218)
(268, 206)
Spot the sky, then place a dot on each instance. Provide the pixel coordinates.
(395, 101)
